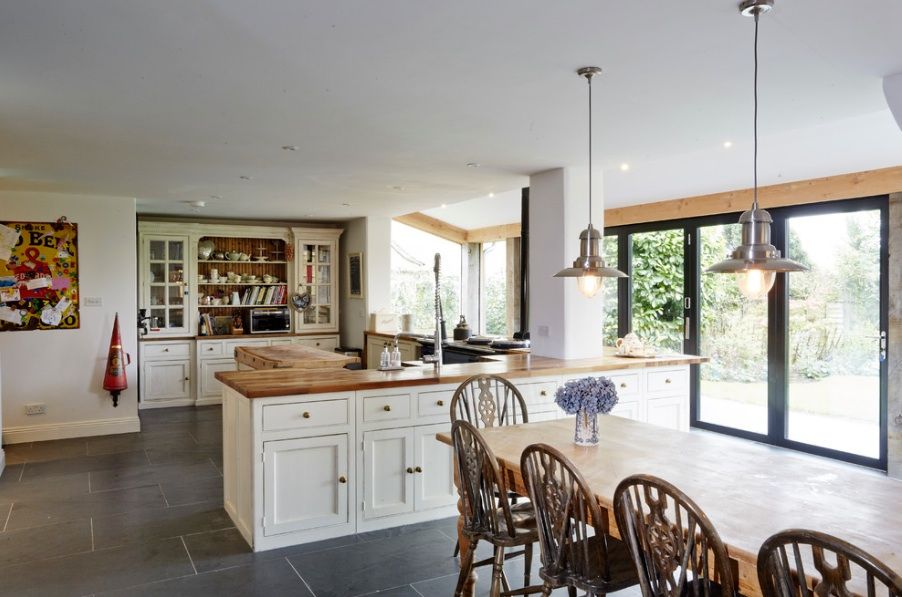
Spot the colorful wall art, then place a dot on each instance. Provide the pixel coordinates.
(38, 276)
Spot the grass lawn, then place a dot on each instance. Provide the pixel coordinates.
(846, 396)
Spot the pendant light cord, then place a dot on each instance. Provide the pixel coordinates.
(589, 78)
(755, 158)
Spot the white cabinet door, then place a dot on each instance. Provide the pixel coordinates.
(208, 385)
(628, 409)
(327, 343)
(305, 483)
(373, 351)
(388, 473)
(166, 380)
(669, 411)
(165, 270)
(434, 470)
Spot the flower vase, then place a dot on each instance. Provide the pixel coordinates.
(586, 431)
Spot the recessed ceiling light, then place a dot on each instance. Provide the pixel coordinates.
(397, 187)
(491, 194)
(290, 147)
(197, 204)
(727, 144)
(444, 205)
(346, 205)
(245, 177)
(624, 166)
(472, 164)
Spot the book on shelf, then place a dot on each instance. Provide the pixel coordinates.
(252, 300)
(267, 300)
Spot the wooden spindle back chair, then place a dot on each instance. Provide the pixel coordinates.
(488, 401)
(803, 563)
(574, 534)
(676, 549)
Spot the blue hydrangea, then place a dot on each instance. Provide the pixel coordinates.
(592, 394)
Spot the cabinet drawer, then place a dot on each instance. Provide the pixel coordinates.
(301, 415)
(668, 380)
(329, 343)
(386, 408)
(627, 384)
(169, 350)
(229, 346)
(539, 397)
(432, 404)
(209, 348)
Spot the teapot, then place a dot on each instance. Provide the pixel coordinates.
(630, 344)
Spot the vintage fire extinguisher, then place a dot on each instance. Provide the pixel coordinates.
(114, 380)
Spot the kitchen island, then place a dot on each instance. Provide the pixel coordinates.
(311, 454)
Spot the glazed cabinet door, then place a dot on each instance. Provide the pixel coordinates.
(166, 380)
(305, 483)
(434, 469)
(317, 275)
(388, 472)
(164, 274)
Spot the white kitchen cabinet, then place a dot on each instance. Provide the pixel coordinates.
(433, 469)
(388, 472)
(317, 264)
(668, 411)
(628, 409)
(164, 272)
(208, 387)
(305, 483)
(410, 350)
(327, 343)
(166, 382)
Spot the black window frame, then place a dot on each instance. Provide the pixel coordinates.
(778, 305)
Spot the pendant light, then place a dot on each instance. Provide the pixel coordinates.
(589, 268)
(756, 261)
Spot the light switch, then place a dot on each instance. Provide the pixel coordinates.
(92, 301)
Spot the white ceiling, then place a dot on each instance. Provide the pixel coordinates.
(173, 101)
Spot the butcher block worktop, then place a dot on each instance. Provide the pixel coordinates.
(291, 356)
(269, 383)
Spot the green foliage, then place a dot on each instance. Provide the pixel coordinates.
(495, 306)
(413, 291)
(658, 288)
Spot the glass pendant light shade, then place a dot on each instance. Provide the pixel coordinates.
(589, 268)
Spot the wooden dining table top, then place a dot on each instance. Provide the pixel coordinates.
(748, 490)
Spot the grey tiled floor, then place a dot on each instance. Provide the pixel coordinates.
(141, 514)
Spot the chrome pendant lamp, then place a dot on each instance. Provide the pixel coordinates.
(756, 261)
(589, 268)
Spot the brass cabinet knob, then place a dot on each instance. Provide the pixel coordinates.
(543, 393)
(622, 384)
(667, 380)
(165, 350)
(386, 408)
(187, 378)
(306, 415)
(409, 471)
(317, 343)
(210, 348)
(441, 403)
(419, 469)
(342, 479)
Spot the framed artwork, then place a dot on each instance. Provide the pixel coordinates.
(355, 275)
(38, 276)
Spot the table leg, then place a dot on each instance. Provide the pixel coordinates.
(469, 588)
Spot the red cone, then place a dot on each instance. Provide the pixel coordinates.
(114, 380)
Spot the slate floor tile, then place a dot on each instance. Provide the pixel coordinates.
(54, 509)
(17, 547)
(11, 473)
(270, 578)
(48, 450)
(189, 456)
(151, 525)
(97, 571)
(84, 464)
(190, 491)
(131, 442)
(377, 565)
(224, 549)
(152, 475)
(30, 489)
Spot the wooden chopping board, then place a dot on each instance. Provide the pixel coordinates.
(291, 356)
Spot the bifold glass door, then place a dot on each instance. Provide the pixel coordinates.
(804, 368)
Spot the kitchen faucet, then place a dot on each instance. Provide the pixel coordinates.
(436, 357)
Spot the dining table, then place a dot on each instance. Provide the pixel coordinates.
(749, 490)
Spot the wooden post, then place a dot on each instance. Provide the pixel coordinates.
(894, 348)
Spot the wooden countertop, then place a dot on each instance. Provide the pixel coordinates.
(748, 490)
(286, 382)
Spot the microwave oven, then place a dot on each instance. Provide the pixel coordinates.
(269, 321)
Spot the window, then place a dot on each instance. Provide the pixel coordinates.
(494, 299)
(412, 279)
(804, 369)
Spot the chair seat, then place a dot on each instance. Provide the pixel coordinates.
(524, 518)
(621, 569)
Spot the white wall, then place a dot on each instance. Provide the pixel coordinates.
(563, 323)
(372, 237)
(64, 368)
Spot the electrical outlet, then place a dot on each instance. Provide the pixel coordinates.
(36, 408)
(92, 301)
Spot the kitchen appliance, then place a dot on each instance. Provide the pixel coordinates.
(268, 321)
